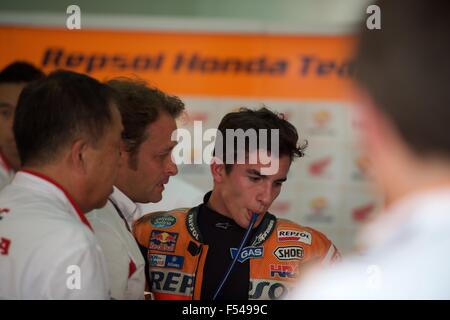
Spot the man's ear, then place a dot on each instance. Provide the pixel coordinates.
(217, 170)
(124, 155)
(79, 155)
(377, 129)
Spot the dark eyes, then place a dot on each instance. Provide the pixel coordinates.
(257, 179)
(6, 114)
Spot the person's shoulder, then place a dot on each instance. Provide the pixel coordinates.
(163, 218)
(106, 215)
(287, 229)
(173, 221)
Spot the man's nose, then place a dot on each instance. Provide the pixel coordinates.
(171, 168)
(265, 194)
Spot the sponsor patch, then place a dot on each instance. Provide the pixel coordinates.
(170, 282)
(263, 236)
(163, 221)
(294, 235)
(261, 289)
(166, 261)
(283, 271)
(192, 228)
(163, 241)
(247, 253)
(289, 253)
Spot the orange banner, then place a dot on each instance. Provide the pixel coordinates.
(194, 64)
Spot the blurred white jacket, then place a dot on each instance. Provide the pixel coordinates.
(47, 249)
(6, 173)
(407, 257)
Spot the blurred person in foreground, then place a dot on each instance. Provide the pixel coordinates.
(403, 74)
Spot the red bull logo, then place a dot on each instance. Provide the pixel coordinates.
(163, 241)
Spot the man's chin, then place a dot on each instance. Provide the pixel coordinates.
(154, 198)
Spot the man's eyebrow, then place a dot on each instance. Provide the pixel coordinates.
(169, 148)
(255, 172)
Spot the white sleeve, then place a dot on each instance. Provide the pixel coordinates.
(79, 274)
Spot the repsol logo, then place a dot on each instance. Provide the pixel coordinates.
(166, 281)
(61, 59)
(192, 228)
(267, 290)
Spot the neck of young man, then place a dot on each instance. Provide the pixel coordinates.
(217, 204)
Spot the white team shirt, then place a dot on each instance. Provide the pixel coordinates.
(407, 256)
(47, 249)
(125, 263)
(6, 172)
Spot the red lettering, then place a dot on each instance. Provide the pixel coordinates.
(4, 246)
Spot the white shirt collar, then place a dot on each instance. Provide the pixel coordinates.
(128, 208)
(4, 165)
(43, 184)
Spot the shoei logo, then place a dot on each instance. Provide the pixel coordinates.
(247, 253)
(294, 235)
(289, 253)
(250, 146)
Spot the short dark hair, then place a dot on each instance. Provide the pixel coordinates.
(405, 68)
(140, 105)
(262, 118)
(20, 71)
(57, 109)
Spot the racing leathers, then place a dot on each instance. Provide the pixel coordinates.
(278, 252)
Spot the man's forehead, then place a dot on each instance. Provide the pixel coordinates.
(10, 92)
(258, 168)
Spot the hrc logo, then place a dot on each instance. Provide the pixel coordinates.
(283, 271)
